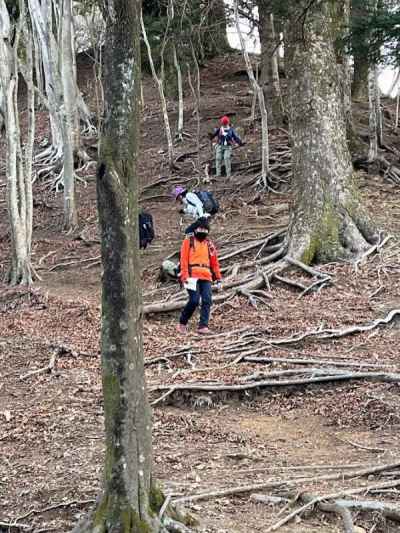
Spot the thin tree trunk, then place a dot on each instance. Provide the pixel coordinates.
(160, 87)
(360, 45)
(328, 220)
(69, 129)
(269, 64)
(261, 102)
(19, 165)
(179, 133)
(127, 503)
(197, 99)
(356, 146)
(373, 115)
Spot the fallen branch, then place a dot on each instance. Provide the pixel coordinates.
(61, 265)
(51, 508)
(10, 525)
(46, 369)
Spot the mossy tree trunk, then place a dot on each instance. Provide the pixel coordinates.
(328, 220)
(126, 504)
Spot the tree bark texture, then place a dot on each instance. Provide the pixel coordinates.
(265, 170)
(19, 164)
(160, 86)
(70, 130)
(360, 46)
(328, 220)
(127, 502)
(269, 64)
(373, 116)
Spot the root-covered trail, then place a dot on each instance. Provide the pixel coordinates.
(290, 328)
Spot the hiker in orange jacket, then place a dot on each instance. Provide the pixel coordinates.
(199, 267)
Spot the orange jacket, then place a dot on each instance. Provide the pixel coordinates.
(199, 260)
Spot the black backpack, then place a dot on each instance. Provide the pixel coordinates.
(210, 204)
(146, 229)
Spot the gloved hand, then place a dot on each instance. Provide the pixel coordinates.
(218, 286)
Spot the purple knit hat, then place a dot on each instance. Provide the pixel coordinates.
(178, 191)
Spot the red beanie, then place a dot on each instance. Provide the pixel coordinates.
(224, 120)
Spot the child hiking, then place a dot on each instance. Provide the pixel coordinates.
(226, 138)
(199, 267)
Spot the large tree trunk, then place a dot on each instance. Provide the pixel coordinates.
(269, 64)
(328, 221)
(19, 164)
(126, 504)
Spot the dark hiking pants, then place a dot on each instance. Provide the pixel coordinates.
(203, 293)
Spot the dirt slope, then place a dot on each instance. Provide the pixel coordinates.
(51, 424)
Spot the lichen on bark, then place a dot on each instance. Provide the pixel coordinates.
(328, 220)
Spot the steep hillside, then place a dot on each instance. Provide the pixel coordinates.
(216, 426)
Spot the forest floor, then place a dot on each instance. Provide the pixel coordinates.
(51, 424)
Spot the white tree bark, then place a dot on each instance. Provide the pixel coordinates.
(261, 102)
(19, 164)
(70, 128)
(373, 116)
(160, 86)
(42, 20)
(57, 56)
(179, 132)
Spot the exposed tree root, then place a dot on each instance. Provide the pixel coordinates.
(321, 376)
(316, 500)
(281, 483)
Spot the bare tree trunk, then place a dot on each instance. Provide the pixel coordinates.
(160, 86)
(261, 102)
(127, 502)
(269, 64)
(2, 108)
(328, 220)
(373, 114)
(179, 132)
(70, 129)
(356, 146)
(19, 164)
(360, 45)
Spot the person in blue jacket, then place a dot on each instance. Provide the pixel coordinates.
(226, 138)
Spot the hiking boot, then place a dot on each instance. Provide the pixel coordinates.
(182, 328)
(203, 330)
